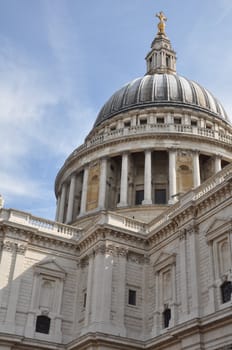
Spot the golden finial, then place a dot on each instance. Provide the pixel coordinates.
(161, 24)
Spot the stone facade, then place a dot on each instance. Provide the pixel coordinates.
(140, 255)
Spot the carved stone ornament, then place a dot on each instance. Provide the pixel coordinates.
(21, 248)
(9, 246)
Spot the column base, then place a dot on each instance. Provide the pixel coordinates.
(147, 202)
(121, 205)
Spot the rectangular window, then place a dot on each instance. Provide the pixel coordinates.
(143, 121)
(85, 298)
(160, 196)
(139, 197)
(127, 124)
(160, 120)
(194, 122)
(132, 297)
(177, 120)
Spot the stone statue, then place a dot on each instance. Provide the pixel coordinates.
(161, 24)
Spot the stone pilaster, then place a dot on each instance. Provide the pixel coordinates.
(18, 269)
(89, 290)
(183, 276)
(7, 266)
(194, 270)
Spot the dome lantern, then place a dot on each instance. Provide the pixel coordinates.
(162, 58)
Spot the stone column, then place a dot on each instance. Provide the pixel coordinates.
(62, 202)
(183, 276)
(196, 170)
(172, 176)
(147, 178)
(71, 199)
(14, 288)
(217, 164)
(84, 191)
(102, 188)
(57, 207)
(124, 181)
(194, 270)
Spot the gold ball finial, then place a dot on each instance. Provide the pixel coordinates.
(161, 24)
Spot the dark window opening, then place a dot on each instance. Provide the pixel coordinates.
(208, 126)
(160, 196)
(43, 324)
(132, 297)
(150, 59)
(139, 197)
(194, 122)
(226, 291)
(166, 317)
(143, 121)
(85, 299)
(167, 60)
(177, 120)
(160, 120)
(127, 124)
(113, 128)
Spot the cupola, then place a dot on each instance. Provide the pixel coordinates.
(162, 58)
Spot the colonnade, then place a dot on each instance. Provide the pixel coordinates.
(65, 200)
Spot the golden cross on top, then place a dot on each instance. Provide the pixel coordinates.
(161, 24)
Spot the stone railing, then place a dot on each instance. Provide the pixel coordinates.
(42, 225)
(152, 128)
(192, 196)
(130, 224)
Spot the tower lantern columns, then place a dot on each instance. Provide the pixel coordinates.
(124, 181)
(147, 178)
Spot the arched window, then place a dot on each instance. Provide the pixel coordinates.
(166, 316)
(43, 324)
(226, 291)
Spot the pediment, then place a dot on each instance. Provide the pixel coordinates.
(50, 267)
(217, 227)
(164, 259)
(215, 224)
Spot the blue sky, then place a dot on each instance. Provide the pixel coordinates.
(60, 60)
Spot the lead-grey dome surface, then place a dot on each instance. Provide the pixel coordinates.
(161, 90)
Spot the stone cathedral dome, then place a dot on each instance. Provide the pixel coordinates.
(161, 90)
(156, 138)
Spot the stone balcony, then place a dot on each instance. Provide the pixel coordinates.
(170, 129)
